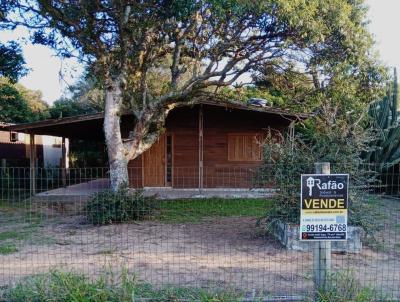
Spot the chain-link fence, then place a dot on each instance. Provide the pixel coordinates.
(202, 229)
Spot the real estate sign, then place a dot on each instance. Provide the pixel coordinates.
(324, 199)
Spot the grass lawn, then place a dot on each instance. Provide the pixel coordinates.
(7, 248)
(19, 226)
(195, 210)
(65, 287)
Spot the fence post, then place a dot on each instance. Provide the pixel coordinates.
(3, 174)
(322, 249)
(32, 163)
(63, 163)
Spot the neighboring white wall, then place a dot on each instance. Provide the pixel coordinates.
(21, 137)
(52, 150)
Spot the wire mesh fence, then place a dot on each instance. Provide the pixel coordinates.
(199, 229)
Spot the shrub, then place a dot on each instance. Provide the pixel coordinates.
(286, 158)
(116, 207)
(283, 165)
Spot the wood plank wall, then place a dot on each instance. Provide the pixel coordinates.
(183, 123)
(219, 122)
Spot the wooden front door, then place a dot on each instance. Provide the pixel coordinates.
(154, 164)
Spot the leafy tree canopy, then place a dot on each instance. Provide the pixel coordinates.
(322, 47)
(285, 44)
(85, 97)
(12, 63)
(13, 107)
(19, 104)
(65, 107)
(34, 98)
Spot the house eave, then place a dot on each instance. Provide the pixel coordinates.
(83, 126)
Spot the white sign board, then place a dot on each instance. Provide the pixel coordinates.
(324, 200)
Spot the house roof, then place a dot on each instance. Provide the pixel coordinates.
(243, 106)
(88, 126)
(4, 126)
(25, 127)
(82, 127)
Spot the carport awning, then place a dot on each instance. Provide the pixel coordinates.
(87, 127)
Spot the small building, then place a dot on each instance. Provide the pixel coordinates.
(15, 149)
(205, 145)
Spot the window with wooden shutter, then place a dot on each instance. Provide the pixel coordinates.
(244, 147)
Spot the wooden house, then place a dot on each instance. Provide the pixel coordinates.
(206, 145)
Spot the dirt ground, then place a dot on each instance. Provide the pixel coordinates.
(229, 252)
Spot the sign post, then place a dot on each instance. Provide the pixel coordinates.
(323, 216)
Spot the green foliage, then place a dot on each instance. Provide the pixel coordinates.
(116, 207)
(324, 140)
(83, 153)
(284, 161)
(34, 98)
(69, 107)
(19, 104)
(194, 47)
(385, 149)
(341, 68)
(169, 294)
(286, 42)
(86, 98)
(7, 248)
(287, 86)
(344, 287)
(13, 107)
(9, 235)
(12, 63)
(61, 286)
(65, 287)
(195, 210)
(243, 94)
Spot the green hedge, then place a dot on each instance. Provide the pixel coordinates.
(116, 207)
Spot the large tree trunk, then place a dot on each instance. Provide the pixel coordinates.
(148, 126)
(142, 138)
(112, 130)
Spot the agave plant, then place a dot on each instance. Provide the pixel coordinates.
(386, 123)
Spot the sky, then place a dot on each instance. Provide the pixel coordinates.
(47, 72)
(385, 27)
(46, 68)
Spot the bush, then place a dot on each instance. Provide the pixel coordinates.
(116, 207)
(286, 158)
(283, 164)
